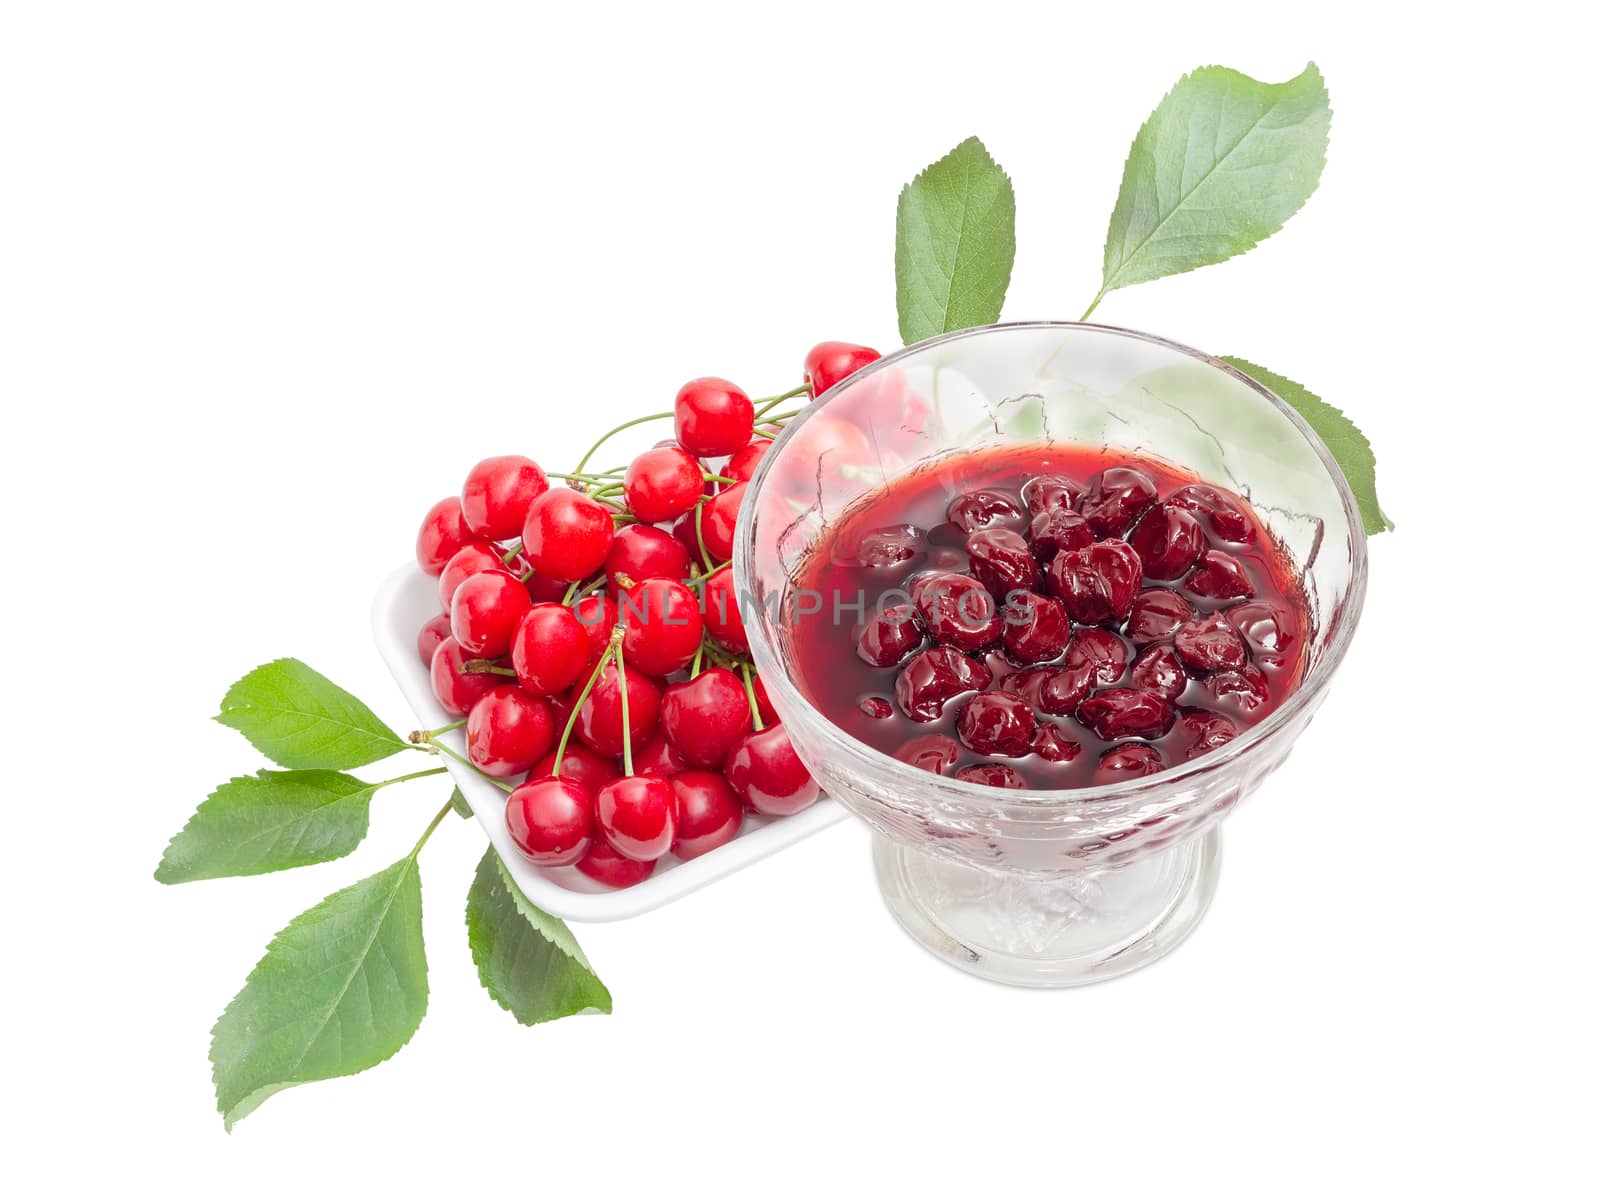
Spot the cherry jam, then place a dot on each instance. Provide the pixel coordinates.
(1047, 618)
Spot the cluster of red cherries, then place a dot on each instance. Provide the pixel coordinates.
(591, 639)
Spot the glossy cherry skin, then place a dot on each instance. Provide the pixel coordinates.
(705, 716)
(708, 813)
(1097, 583)
(875, 707)
(497, 494)
(443, 533)
(479, 556)
(639, 551)
(453, 686)
(1157, 670)
(1051, 492)
(1245, 689)
(1219, 576)
(550, 649)
(1267, 630)
(768, 775)
(659, 757)
(891, 635)
(599, 721)
(982, 508)
(1054, 531)
(1120, 713)
(722, 618)
(885, 547)
(996, 724)
(935, 753)
(713, 417)
(829, 363)
(1002, 561)
(636, 816)
(1052, 689)
(1127, 761)
(1221, 509)
(957, 610)
(1100, 653)
(486, 612)
(1000, 777)
(580, 764)
(1036, 628)
(551, 820)
(932, 678)
(662, 483)
(610, 868)
(741, 466)
(508, 730)
(1113, 499)
(661, 624)
(567, 535)
(434, 632)
(719, 518)
(1052, 742)
(597, 615)
(764, 706)
(1204, 732)
(1157, 614)
(1208, 643)
(1169, 540)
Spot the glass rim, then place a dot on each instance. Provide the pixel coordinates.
(1046, 806)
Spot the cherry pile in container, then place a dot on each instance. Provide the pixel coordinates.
(1048, 618)
(590, 639)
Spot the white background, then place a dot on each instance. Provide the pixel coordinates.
(274, 276)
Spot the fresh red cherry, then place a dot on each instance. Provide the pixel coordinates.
(610, 868)
(1156, 615)
(1157, 670)
(1055, 690)
(599, 722)
(722, 618)
(1052, 742)
(508, 729)
(1000, 777)
(486, 612)
(996, 724)
(636, 816)
(719, 518)
(1099, 653)
(1113, 499)
(454, 687)
(639, 551)
(886, 547)
(1244, 689)
(663, 483)
(567, 535)
(540, 588)
(1097, 583)
(766, 772)
(708, 813)
(1053, 531)
(714, 417)
(957, 610)
(479, 556)
(658, 757)
(890, 636)
(661, 623)
(1203, 732)
(829, 363)
(1169, 540)
(1002, 560)
(580, 764)
(741, 466)
(1267, 629)
(1219, 576)
(434, 632)
(932, 678)
(1036, 628)
(597, 615)
(550, 650)
(1051, 492)
(936, 754)
(1125, 762)
(1221, 509)
(1120, 713)
(551, 821)
(764, 706)
(497, 495)
(1208, 643)
(981, 508)
(443, 533)
(705, 716)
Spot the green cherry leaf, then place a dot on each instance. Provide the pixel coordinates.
(341, 989)
(527, 960)
(1220, 165)
(955, 240)
(301, 720)
(272, 821)
(1343, 438)
(458, 803)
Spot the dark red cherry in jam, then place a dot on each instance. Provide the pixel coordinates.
(1098, 583)
(932, 678)
(996, 724)
(1113, 499)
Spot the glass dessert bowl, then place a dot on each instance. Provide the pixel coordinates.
(1034, 884)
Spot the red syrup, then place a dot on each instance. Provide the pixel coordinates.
(1047, 618)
